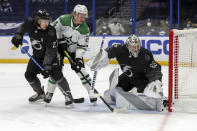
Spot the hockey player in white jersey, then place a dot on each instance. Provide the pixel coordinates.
(73, 36)
(139, 86)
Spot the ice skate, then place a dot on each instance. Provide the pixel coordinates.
(48, 97)
(37, 97)
(68, 100)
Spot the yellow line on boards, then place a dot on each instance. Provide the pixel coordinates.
(164, 63)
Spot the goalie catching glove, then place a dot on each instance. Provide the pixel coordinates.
(99, 61)
(154, 89)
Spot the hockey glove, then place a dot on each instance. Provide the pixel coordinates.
(47, 71)
(77, 65)
(17, 40)
(62, 46)
(154, 89)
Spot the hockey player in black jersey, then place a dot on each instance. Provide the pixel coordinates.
(141, 74)
(44, 44)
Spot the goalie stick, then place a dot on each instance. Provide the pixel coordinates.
(95, 72)
(77, 100)
(111, 108)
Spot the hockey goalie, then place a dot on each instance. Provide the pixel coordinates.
(140, 84)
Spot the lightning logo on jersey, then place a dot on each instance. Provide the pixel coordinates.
(127, 70)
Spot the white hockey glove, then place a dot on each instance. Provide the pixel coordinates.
(99, 61)
(154, 89)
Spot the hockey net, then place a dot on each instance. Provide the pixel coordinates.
(183, 70)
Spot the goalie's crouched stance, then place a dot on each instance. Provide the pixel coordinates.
(139, 86)
(149, 99)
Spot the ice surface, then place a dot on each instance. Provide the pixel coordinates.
(16, 113)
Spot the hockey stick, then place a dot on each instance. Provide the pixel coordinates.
(95, 72)
(77, 100)
(41, 68)
(111, 108)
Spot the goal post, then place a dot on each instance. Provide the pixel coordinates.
(182, 91)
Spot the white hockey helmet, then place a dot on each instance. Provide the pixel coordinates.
(81, 9)
(133, 45)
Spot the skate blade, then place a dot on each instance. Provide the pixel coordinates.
(69, 106)
(94, 103)
(40, 101)
(46, 104)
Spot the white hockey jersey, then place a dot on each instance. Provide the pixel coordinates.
(76, 38)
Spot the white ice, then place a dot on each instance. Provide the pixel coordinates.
(16, 113)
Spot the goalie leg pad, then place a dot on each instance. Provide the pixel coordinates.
(113, 78)
(109, 98)
(134, 102)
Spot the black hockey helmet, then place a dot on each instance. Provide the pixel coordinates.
(43, 14)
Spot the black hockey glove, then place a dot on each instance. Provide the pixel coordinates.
(47, 71)
(62, 46)
(78, 64)
(17, 40)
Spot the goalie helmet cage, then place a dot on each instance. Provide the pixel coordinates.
(182, 92)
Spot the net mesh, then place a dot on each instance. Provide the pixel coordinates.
(185, 71)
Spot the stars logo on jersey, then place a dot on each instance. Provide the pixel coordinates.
(127, 70)
(69, 41)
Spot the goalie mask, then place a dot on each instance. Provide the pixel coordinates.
(133, 45)
(81, 9)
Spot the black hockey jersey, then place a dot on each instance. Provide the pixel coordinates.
(142, 67)
(43, 42)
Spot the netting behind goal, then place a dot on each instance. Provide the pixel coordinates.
(183, 70)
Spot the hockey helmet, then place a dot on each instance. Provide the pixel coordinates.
(43, 14)
(133, 45)
(81, 9)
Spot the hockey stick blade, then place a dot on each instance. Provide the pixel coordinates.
(95, 95)
(78, 100)
(121, 110)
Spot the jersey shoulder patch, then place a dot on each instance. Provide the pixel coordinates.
(65, 20)
(83, 29)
